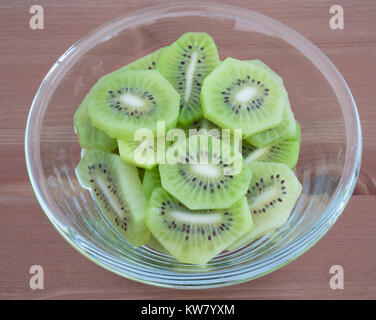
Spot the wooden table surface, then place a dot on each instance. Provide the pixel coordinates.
(26, 236)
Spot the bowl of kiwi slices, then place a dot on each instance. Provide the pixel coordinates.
(193, 145)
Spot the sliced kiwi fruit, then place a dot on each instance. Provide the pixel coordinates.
(298, 133)
(206, 177)
(148, 62)
(151, 181)
(285, 151)
(285, 129)
(195, 236)
(117, 190)
(202, 126)
(185, 64)
(156, 245)
(89, 136)
(123, 102)
(214, 197)
(142, 154)
(264, 65)
(243, 95)
(272, 194)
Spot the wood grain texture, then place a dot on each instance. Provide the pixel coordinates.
(28, 238)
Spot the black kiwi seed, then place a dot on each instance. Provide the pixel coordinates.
(256, 190)
(206, 231)
(249, 105)
(120, 106)
(102, 171)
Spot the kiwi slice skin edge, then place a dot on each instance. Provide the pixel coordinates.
(89, 136)
(148, 62)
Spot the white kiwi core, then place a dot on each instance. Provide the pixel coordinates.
(266, 196)
(245, 94)
(255, 154)
(189, 77)
(132, 100)
(207, 170)
(200, 218)
(109, 196)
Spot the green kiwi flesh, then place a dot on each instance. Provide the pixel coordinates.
(89, 136)
(202, 126)
(142, 154)
(151, 181)
(195, 237)
(284, 130)
(117, 190)
(209, 185)
(123, 102)
(264, 65)
(285, 151)
(243, 95)
(185, 64)
(156, 245)
(272, 194)
(148, 62)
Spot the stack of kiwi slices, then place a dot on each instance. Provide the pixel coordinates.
(187, 154)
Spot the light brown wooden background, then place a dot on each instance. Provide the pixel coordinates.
(28, 238)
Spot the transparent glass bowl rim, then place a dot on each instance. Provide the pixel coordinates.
(260, 23)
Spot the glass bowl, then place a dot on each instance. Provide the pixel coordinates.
(330, 147)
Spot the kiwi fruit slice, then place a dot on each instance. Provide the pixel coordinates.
(142, 154)
(264, 65)
(117, 190)
(185, 64)
(123, 102)
(151, 181)
(202, 126)
(272, 194)
(89, 136)
(195, 236)
(285, 129)
(285, 151)
(156, 245)
(148, 62)
(205, 177)
(243, 95)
